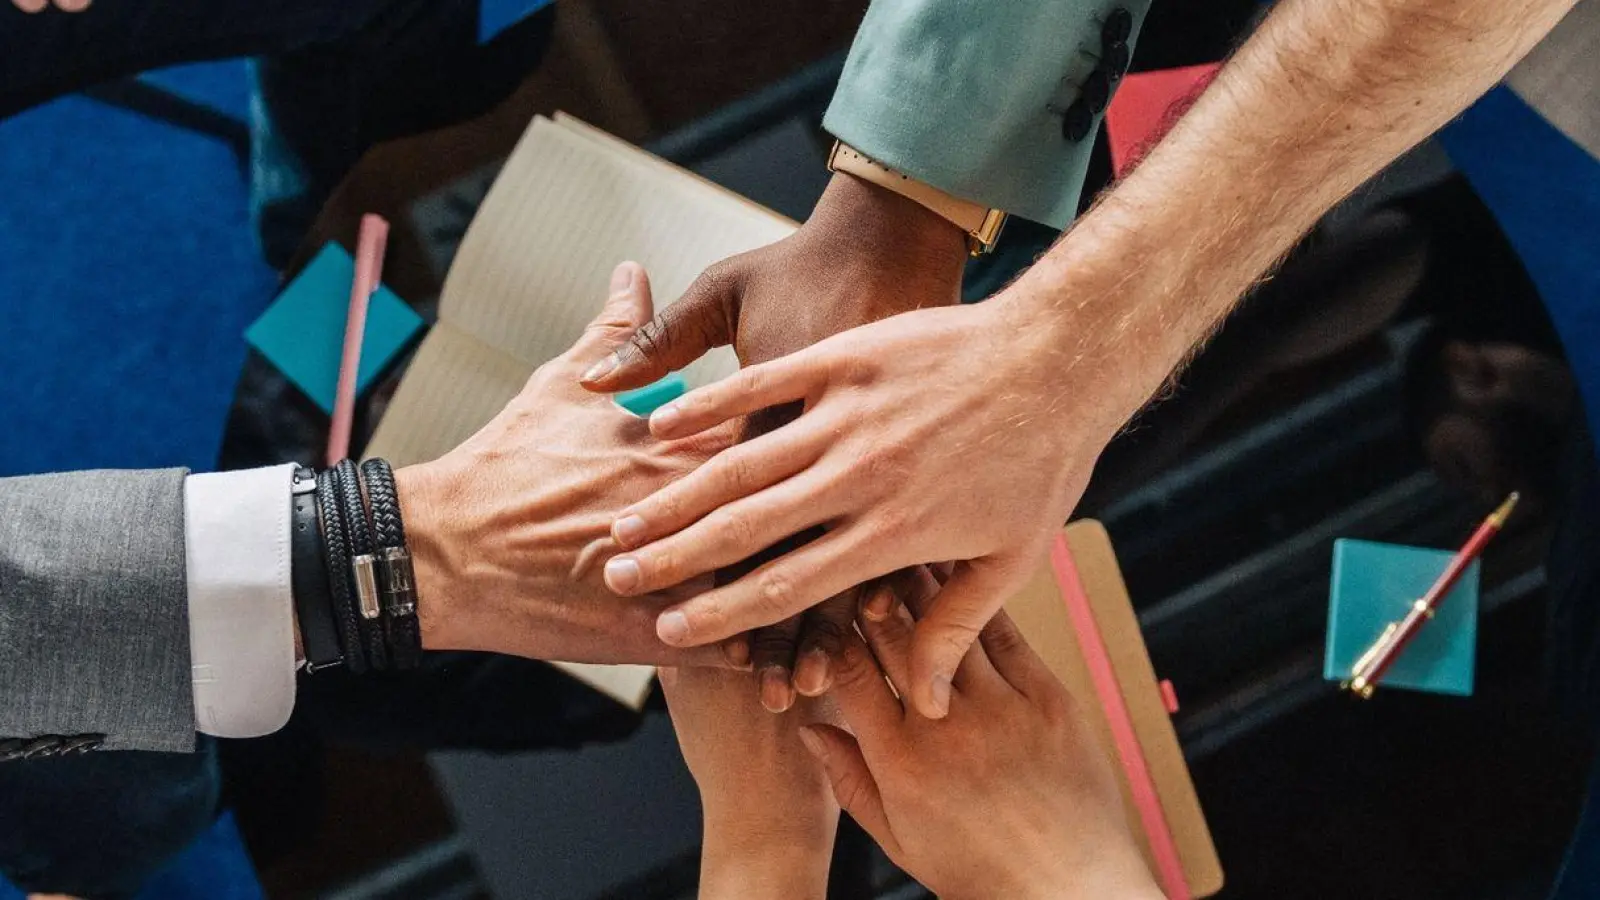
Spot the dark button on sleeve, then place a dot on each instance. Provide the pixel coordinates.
(1077, 122)
(1115, 61)
(1117, 27)
(1097, 91)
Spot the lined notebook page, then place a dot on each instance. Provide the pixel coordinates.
(454, 386)
(534, 266)
(533, 269)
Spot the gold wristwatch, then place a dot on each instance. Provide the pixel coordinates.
(981, 223)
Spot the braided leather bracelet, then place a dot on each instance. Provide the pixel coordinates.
(338, 555)
(363, 564)
(396, 579)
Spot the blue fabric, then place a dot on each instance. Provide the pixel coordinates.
(214, 867)
(1545, 192)
(495, 16)
(121, 348)
(102, 824)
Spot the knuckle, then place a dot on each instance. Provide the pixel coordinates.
(886, 466)
(1004, 637)
(665, 507)
(890, 524)
(737, 473)
(752, 380)
(732, 529)
(954, 639)
(650, 340)
(776, 592)
(854, 370)
(660, 565)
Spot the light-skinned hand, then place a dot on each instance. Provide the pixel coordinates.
(510, 530)
(938, 434)
(1009, 795)
(769, 813)
(864, 254)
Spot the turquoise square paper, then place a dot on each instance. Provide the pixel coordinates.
(302, 332)
(645, 400)
(1373, 585)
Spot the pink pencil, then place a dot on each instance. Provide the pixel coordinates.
(369, 272)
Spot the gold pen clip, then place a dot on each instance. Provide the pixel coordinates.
(1359, 683)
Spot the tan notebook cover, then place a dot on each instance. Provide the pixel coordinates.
(1041, 613)
(532, 270)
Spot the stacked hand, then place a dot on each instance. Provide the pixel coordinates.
(864, 255)
(510, 530)
(1009, 796)
(934, 435)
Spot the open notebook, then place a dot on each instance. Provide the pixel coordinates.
(1077, 614)
(570, 204)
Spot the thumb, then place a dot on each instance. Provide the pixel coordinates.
(627, 307)
(682, 333)
(943, 637)
(852, 782)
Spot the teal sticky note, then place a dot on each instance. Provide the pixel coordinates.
(1375, 584)
(648, 399)
(302, 332)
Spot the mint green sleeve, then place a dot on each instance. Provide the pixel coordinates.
(969, 96)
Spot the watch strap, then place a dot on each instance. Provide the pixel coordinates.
(981, 223)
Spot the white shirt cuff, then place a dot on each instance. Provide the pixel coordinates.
(241, 600)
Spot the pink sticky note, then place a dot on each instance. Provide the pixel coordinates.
(1146, 105)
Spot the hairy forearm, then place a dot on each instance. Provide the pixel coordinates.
(1318, 100)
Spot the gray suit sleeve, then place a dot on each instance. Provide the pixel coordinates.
(94, 631)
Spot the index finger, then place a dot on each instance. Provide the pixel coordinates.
(747, 391)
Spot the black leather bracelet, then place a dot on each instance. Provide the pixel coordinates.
(396, 578)
(313, 605)
(338, 556)
(363, 564)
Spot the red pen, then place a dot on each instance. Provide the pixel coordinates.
(370, 243)
(1369, 669)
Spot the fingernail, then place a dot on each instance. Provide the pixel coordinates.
(813, 743)
(601, 369)
(629, 531)
(672, 627)
(622, 573)
(879, 605)
(812, 677)
(940, 695)
(776, 693)
(664, 418)
(736, 652)
(621, 277)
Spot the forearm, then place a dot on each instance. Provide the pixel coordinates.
(738, 862)
(1324, 95)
